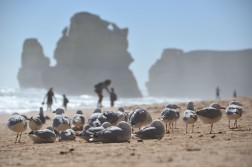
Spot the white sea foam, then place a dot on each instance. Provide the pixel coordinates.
(26, 100)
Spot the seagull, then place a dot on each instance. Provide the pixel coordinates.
(17, 123)
(154, 131)
(176, 108)
(68, 134)
(111, 117)
(60, 121)
(89, 131)
(233, 112)
(169, 115)
(139, 117)
(211, 114)
(41, 115)
(43, 136)
(190, 116)
(122, 116)
(97, 118)
(35, 123)
(114, 134)
(78, 121)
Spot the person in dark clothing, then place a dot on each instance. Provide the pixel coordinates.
(65, 101)
(99, 88)
(218, 92)
(234, 94)
(50, 96)
(113, 97)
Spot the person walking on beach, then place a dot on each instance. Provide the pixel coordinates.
(234, 94)
(218, 92)
(99, 88)
(49, 95)
(113, 97)
(65, 101)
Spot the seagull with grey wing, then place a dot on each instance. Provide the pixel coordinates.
(233, 112)
(114, 134)
(169, 115)
(36, 123)
(111, 117)
(97, 118)
(43, 136)
(60, 121)
(139, 117)
(17, 123)
(68, 134)
(88, 131)
(211, 114)
(190, 116)
(155, 130)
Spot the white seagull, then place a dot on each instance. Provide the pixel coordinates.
(190, 116)
(17, 123)
(122, 116)
(78, 121)
(233, 112)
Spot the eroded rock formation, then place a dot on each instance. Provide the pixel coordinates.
(33, 64)
(196, 74)
(89, 51)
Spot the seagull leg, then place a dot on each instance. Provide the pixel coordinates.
(186, 127)
(192, 127)
(211, 128)
(20, 137)
(235, 124)
(16, 137)
(229, 123)
(166, 128)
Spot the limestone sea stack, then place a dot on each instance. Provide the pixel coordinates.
(90, 50)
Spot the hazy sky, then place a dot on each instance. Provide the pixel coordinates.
(153, 26)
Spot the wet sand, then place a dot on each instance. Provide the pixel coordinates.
(225, 147)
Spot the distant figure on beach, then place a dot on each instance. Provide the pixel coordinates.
(99, 88)
(49, 95)
(218, 92)
(65, 101)
(234, 94)
(113, 97)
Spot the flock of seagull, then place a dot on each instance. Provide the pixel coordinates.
(117, 126)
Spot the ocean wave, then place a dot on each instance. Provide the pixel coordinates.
(26, 100)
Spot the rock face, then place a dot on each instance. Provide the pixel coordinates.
(89, 51)
(196, 74)
(33, 64)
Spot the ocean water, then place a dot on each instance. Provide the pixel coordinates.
(26, 100)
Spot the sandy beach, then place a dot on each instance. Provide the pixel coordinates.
(225, 147)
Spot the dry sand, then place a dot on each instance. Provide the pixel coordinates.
(226, 147)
